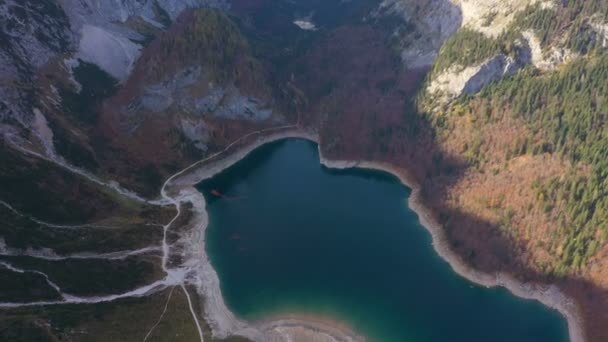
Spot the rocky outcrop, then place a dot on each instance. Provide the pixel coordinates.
(195, 99)
(104, 37)
(35, 32)
(458, 80)
(550, 60)
(428, 24)
(196, 131)
(182, 93)
(492, 17)
(601, 28)
(31, 33)
(110, 51)
(160, 97)
(196, 84)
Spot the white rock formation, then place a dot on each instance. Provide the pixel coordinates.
(34, 32)
(601, 28)
(458, 81)
(196, 131)
(180, 92)
(431, 22)
(549, 60)
(104, 41)
(113, 53)
(535, 49)
(492, 17)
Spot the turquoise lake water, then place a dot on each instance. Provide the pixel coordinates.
(290, 236)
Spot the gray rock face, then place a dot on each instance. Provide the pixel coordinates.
(189, 94)
(104, 41)
(183, 92)
(546, 60)
(491, 71)
(211, 102)
(159, 97)
(196, 131)
(492, 17)
(230, 104)
(428, 24)
(458, 81)
(33, 32)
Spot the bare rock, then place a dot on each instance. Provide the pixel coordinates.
(458, 81)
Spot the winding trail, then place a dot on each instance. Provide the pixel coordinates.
(57, 160)
(9, 207)
(71, 226)
(162, 315)
(50, 255)
(46, 277)
(198, 325)
(146, 290)
(174, 276)
(53, 225)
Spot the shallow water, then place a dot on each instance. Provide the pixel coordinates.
(290, 236)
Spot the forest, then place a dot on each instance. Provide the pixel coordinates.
(567, 107)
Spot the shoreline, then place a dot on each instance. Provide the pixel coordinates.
(224, 323)
(312, 327)
(548, 295)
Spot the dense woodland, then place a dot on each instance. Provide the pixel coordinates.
(466, 47)
(568, 108)
(210, 36)
(569, 25)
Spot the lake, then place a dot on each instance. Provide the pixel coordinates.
(287, 235)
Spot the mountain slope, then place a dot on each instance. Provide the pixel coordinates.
(533, 137)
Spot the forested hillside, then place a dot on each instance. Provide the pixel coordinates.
(535, 139)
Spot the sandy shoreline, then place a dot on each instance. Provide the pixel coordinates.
(224, 323)
(306, 328)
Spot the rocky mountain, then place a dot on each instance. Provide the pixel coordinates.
(109, 34)
(495, 108)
